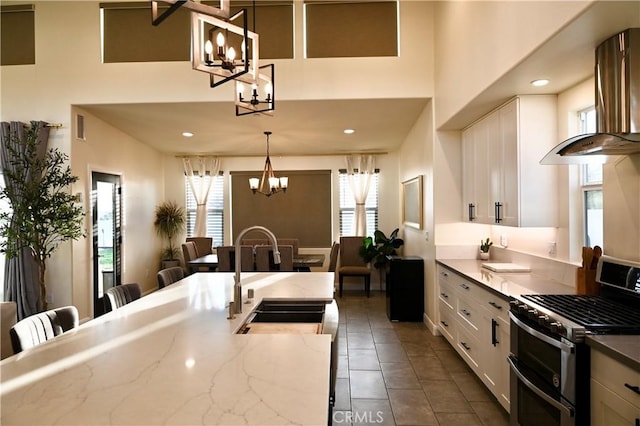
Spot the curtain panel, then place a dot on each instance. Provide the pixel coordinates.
(21, 273)
(360, 169)
(196, 168)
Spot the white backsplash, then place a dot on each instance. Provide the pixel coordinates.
(545, 267)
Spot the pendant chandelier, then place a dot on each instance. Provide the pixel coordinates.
(269, 184)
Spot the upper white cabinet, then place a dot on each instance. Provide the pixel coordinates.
(503, 181)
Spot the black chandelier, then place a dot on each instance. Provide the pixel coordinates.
(269, 184)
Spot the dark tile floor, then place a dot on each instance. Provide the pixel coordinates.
(398, 373)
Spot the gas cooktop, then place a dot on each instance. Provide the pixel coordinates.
(596, 314)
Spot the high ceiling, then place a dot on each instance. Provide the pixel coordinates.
(315, 127)
(299, 127)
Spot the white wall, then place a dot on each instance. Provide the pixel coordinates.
(478, 42)
(140, 167)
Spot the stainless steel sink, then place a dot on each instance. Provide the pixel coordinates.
(288, 311)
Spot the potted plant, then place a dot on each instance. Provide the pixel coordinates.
(375, 250)
(484, 248)
(169, 222)
(43, 212)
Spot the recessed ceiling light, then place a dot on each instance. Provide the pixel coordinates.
(187, 134)
(348, 131)
(540, 83)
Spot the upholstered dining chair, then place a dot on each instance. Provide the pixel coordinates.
(333, 257)
(189, 252)
(227, 258)
(203, 245)
(352, 264)
(120, 295)
(265, 263)
(169, 276)
(38, 328)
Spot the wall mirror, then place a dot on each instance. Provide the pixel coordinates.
(412, 202)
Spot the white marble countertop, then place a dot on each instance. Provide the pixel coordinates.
(172, 358)
(506, 283)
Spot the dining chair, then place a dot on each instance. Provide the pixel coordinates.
(352, 264)
(8, 317)
(189, 253)
(120, 295)
(169, 276)
(203, 245)
(38, 328)
(227, 258)
(333, 256)
(265, 263)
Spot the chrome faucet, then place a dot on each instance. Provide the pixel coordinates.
(237, 286)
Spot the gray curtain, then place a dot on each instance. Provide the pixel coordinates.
(21, 283)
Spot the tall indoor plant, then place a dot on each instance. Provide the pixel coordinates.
(170, 220)
(375, 250)
(43, 213)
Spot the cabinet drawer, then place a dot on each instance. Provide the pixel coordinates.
(469, 348)
(469, 315)
(497, 306)
(468, 289)
(616, 376)
(447, 325)
(444, 274)
(447, 296)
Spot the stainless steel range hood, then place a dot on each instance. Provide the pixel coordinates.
(617, 103)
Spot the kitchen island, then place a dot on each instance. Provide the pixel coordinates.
(173, 357)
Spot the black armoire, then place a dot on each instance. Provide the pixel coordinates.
(405, 288)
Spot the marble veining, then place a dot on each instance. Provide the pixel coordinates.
(172, 358)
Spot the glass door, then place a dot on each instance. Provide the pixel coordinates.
(106, 236)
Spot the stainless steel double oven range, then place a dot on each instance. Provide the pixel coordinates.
(550, 361)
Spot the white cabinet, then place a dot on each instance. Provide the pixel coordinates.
(476, 323)
(615, 392)
(503, 181)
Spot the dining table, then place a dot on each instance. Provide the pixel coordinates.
(301, 262)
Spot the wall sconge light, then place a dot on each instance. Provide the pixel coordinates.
(222, 49)
(269, 184)
(257, 96)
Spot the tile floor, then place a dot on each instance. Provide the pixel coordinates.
(398, 373)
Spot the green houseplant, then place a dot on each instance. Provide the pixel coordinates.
(43, 213)
(375, 250)
(484, 248)
(169, 221)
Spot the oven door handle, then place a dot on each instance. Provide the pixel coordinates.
(567, 411)
(553, 342)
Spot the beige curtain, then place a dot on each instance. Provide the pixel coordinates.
(360, 169)
(196, 169)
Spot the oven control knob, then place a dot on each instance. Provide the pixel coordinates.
(523, 308)
(556, 327)
(533, 313)
(543, 319)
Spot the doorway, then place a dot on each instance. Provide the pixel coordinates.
(106, 204)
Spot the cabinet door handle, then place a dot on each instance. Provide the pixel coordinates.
(636, 389)
(637, 422)
(464, 311)
(445, 295)
(466, 287)
(472, 213)
(464, 344)
(444, 323)
(498, 206)
(495, 305)
(494, 332)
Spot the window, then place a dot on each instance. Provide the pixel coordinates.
(17, 35)
(337, 29)
(591, 188)
(348, 205)
(215, 208)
